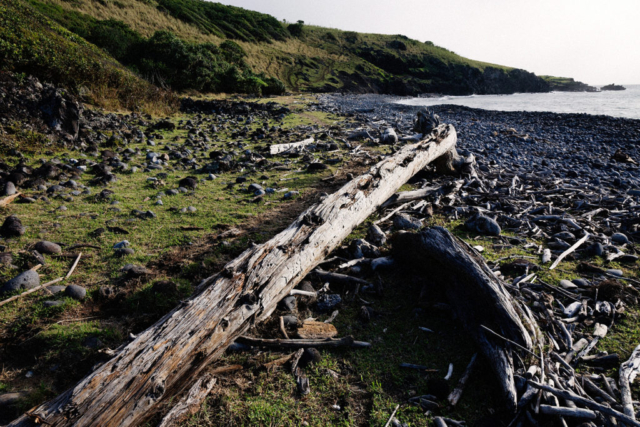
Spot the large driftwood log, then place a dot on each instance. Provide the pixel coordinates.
(168, 356)
(477, 296)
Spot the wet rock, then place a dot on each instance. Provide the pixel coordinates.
(76, 292)
(483, 225)
(582, 283)
(48, 248)
(12, 227)
(327, 302)
(567, 284)
(402, 221)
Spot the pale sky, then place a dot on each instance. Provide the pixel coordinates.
(594, 41)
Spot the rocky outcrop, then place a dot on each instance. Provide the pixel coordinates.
(613, 86)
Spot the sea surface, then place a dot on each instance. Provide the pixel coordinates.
(624, 103)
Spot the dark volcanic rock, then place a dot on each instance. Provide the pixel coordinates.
(26, 280)
(483, 225)
(12, 227)
(76, 292)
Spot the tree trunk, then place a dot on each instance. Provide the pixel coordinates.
(476, 295)
(168, 356)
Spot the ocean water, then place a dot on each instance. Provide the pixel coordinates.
(624, 103)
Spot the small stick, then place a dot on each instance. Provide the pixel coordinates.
(449, 372)
(509, 341)
(73, 267)
(30, 291)
(303, 293)
(303, 343)
(455, 395)
(36, 267)
(392, 415)
(568, 251)
(282, 328)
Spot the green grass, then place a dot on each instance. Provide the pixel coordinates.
(31, 43)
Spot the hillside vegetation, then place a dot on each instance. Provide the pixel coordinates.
(117, 47)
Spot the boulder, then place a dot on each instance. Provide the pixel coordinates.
(12, 227)
(26, 280)
(483, 225)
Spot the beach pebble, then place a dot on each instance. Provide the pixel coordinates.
(619, 239)
(55, 303)
(124, 252)
(47, 248)
(76, 292)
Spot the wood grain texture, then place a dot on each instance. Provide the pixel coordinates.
(167, 357)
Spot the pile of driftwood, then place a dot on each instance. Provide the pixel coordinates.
(534, 334)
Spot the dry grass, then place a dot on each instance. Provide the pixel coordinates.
(142, 17)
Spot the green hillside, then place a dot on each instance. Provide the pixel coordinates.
(208, 47)
(32, 44)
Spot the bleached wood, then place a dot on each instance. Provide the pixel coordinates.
(4, 202)
(190, 403)
(163, 360)
(628, 372)
(292, 147)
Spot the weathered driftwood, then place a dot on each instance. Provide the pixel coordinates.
(479, 299)
(455, 395)
(293, 147)
(567, 395)
(190, 403)
(567, 412)
(164, 359)
(303, 343)
(4, 202)
(628, 372)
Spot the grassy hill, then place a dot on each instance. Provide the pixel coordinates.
(208, 47)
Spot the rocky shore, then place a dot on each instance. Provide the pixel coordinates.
(578, 147)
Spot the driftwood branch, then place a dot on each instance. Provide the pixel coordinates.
(628, 372)
(293, 147)
(567, 395)
(4, 202)
(190, 403)
(455, 395)
(30, 291)
(478, 297)
(163, 360)
(303, 343)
